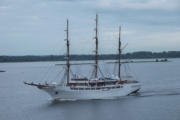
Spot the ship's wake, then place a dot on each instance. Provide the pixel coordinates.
(159, 92)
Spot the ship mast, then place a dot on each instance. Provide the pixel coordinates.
(96, 50)
(67, 52)
(119, 55)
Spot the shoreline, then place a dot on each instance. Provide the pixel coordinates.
(48, 58)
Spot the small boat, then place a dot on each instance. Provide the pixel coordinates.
(84, 88)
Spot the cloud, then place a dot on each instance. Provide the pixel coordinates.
(141, 39)
(146, 4)
(146, 25)
(128, 4)
(4, 7)
(33, 17)
(156, 41)
(63, 0)
(164, 37)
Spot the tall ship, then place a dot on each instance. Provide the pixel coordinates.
(96, 87)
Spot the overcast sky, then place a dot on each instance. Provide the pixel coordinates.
(36, 27)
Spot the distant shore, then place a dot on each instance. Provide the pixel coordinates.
(133, 55)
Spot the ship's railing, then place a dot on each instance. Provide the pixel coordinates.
(95, 88)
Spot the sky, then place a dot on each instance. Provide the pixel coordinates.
(36, 27)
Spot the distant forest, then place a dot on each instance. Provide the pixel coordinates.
(134, 55)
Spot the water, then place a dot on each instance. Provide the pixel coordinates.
(159, 98)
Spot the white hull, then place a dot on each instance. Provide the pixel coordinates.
(66, 93)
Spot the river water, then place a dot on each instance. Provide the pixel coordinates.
(158, 99)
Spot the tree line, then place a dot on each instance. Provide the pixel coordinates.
(133, 55)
